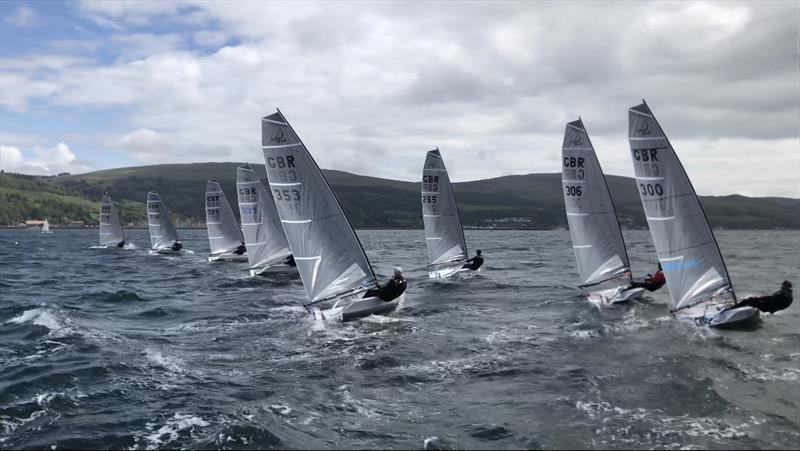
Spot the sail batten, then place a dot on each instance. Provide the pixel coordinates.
(596, 235)
(163, 233)
(327, 251)
(224, 234)
(263, 234)
(444, 235)
(686, 246)
(111, 233)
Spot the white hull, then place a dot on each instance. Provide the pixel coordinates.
(164, 251)
(449, 272)
(228, 257)
(712, 317)
(281, 268)
(615, 295)
(349, 309)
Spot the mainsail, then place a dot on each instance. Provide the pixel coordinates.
(223, 230)
(443, 232)
(686, 247)
(328, 254)
(111, 233)
(593, 225)
(162, 231)
(45, 226)
(261, 225)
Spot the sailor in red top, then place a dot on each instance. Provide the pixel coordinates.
(652, 282)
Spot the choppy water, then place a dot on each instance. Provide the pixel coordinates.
(119, 349)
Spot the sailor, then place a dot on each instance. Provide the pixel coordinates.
(474, 262)
(779, 300)
(121, 243)
(290, 260)
(177, 246)
(652, 282)
(241, 249)
(393, 288)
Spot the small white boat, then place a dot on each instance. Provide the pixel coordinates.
(699, 284)
(46, 226)
(111, 233)
(332, 264)
(267, 248)
(225, 238)
(444, 235)
(597, 241)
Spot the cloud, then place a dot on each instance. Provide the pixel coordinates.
(23, 16)
(370, 87)
(54, 160)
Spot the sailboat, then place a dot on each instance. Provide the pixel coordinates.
(46, 226)
(267, 248)
(444, 236)
(593, 225)
(225, 239)
(111, 234)
(699, 285)
(329, 257)
(163, 234)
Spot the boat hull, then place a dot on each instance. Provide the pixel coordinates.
(736, 316)
(449, 272)
(615, 295)
(228, 257)
(272, 269)
(164, 251)
(345, 310)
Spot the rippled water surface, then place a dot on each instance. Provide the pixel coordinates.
(120, 349)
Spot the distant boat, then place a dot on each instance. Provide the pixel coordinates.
(593, 225)
(111, 233)
(267, 248)
(46, 226)
(329, 257)
(163, 234)
(444, 236)
(697, 278)
(224, 236)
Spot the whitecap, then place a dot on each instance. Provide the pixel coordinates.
(37, 316)
(172, 429)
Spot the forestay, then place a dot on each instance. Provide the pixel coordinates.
(686, 247)
(223, 230)
(593, 225)
(162, 231)
(328, 254)
(444, 235)
(111, 233)
(261, 225)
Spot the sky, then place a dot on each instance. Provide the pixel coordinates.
(371, 86)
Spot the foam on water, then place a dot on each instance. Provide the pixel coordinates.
(39, 317)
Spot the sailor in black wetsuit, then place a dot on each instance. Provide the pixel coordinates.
(177, 246)
(121, 243)
(241, 249)
(290, 260)
(779, 300)
(474, 262)
(393, 288)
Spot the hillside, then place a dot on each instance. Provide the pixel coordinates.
(519, 201)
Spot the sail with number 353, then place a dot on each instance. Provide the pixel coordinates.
(327, 252)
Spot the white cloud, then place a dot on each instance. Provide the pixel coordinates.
(23, 16)
(371, 86)
(54, 160)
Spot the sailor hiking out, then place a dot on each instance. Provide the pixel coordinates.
(392, 290)
(475, 262)
(780, 300)
(652, 282)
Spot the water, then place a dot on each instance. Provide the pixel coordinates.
(119, 349)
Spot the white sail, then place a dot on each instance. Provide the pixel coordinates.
(111, 233)
(45, 226)
(444, 235)
(596, 235)
(162, 231)
(687, 249)
(326, 250)
(223, 229)
(261, 224)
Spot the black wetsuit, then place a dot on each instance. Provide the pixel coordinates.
(777, 301)
(240, 250)
(389, 292)
(290, 260)
(121, 243)
(474, 262)
(177, 246)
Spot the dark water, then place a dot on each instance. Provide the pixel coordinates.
(118, 349)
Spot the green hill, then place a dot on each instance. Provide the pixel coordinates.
(518, 201)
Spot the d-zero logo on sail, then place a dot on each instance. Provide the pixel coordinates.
(278, 137)
(644, 130)
(576, 140)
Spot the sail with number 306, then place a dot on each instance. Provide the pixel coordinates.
(687, 249)
(327, 252)
(596, 235)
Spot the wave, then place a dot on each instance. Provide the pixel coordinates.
(38, 317)
(178, 426)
